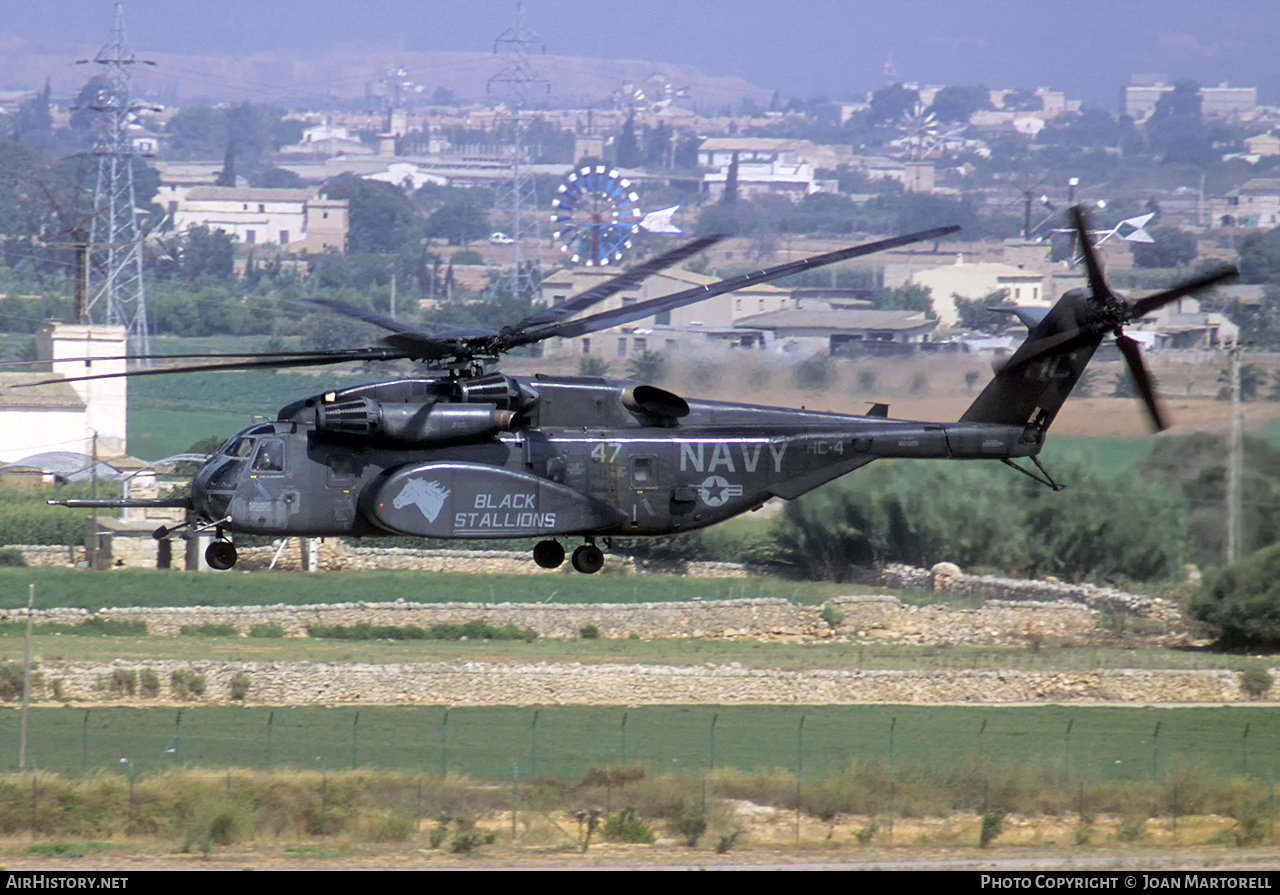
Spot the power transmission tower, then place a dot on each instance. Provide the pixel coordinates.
(519, 197)
(116, 288)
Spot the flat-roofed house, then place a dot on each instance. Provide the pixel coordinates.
(1253, 205)
(294, 219)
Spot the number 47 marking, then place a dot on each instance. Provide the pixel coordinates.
(598, 452)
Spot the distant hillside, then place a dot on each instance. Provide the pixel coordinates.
(574, 81)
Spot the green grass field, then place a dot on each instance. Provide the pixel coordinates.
(1104, 744)
(137, 587)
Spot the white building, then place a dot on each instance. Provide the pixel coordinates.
(64, 416)
(290, 218)
(795, 181)
(1253, 205)
(971, 280)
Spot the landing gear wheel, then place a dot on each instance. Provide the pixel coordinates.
(588, 559)
(220, 555)
(548, 554)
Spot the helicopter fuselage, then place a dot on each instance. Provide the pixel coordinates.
(510, 457)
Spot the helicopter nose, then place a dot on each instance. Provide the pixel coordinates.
(213, 486)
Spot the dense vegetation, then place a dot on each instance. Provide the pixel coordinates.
(1241, 603)
(1104, 526)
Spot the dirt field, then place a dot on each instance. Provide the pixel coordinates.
(769, 842)
(934, 388)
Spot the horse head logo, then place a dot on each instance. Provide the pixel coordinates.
(428, 496)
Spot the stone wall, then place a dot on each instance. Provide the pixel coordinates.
(483, 683)
(746, 618)
(998, 622)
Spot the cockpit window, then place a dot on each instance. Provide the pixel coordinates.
(270, 456)
(240, 447)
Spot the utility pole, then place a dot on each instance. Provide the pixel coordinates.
(91, 550)
(117, 288)
(1234, 458)
(519, 198)
(27, 661)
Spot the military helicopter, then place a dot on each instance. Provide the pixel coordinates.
(470, 454)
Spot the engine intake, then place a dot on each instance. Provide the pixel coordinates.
(502, 391)
(649, 400)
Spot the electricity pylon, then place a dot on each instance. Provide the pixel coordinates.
(519, 197)
(116, 287)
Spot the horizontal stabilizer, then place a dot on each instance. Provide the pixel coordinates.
(1029, 316)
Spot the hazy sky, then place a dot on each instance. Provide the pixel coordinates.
(1087, 47)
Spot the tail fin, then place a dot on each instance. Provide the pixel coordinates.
(1032, 386)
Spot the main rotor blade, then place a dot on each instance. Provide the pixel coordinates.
(1097, 282)
(1143, 306)
(379, 320)
(1142, 379)
(406, 341)
(654, 306)
(162, 357)
(614, 285)
(336, 357)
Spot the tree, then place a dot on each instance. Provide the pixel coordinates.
(1022, 100)
(911, 297)
(22, 169)
(83, 113)
(227, 176)
(975, 314)
(1176, 130)
(273, 178)
(33, 124)
(207, 254)
(382, 219)
(1117, 526)
(1092, 128)
(1242, 602)
(657, 142)
(1260, 257)
(730, 196)
(628, 149)
(198, 132)
(1172, 248)
(1252, 378)
(459, 221)
(251, 128)
(646, 366)
(1195, 467)
(889, 103)
(956, 104)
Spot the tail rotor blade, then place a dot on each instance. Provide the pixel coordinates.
(1142, 379)
(1097, 282)
(1144, 306)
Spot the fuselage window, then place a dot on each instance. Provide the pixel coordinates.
(643, 472)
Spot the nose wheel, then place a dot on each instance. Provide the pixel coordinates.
(220, 555)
